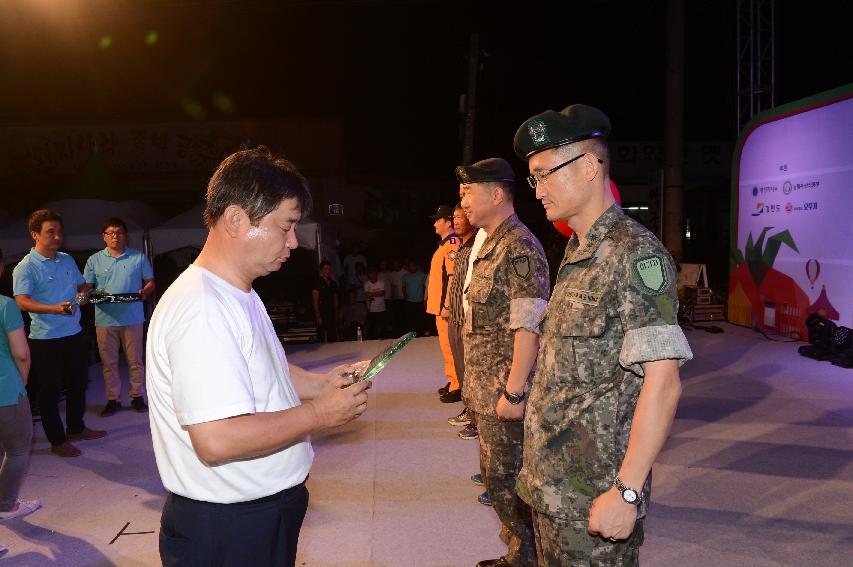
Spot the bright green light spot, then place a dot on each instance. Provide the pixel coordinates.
(223, 102)
(105, 41)
(151, 37)
(192, 108)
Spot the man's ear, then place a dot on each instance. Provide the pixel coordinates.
(232, 219)
(591, 167)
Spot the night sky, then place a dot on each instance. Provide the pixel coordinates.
(394, 70)
(393, 73)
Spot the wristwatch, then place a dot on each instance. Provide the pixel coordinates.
(514, 399)
(629, 495)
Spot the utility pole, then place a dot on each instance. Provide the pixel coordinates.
(471, 99)
(673, 167)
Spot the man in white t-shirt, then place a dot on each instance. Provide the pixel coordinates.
(377, 313)
(230, 418)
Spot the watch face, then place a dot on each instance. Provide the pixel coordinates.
(629, 495)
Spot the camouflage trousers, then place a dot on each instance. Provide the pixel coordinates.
(567, 543)
(501, 445)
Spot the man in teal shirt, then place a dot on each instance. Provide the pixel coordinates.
(119, 269)
(47, 284)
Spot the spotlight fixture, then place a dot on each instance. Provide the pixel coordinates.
(842, 347)
(821, 331)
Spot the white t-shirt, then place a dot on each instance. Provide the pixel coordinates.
(212, 353)
(375, 304)
(479, 239)
(397, 282)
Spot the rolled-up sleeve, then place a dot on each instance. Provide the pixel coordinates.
(526, 313)
(648, 344)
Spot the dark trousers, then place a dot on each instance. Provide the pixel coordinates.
(377, 325)
(328, 333)
(501, 444)
(58, 363)
(263, 532)
(454, 334)
(413, 317)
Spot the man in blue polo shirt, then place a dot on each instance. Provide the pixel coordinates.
(119, 269)
(47, 284)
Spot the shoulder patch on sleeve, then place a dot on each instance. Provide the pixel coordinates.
(649, 273)
(521, 266)
(452, 254)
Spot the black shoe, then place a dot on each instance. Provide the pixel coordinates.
(444, 389)
(484, 499)
(138, 404)
(111, 408)
(477, 479)
(499, 562)
(452, 397)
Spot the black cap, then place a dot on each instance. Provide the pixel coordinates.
(552, 129)
(492, 169)
(443, 212)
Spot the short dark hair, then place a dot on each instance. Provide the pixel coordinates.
(41, 216)
(113, 221)
(325, 263)
(256, 181)
(508, 188)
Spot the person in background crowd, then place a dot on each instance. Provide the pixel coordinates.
(377, 316)
(120, 269)
(16, 422)
(414, 288)
(353, 317)
(356, 281)
(324, 298)
(48, 285)
(398, 300)
(350, 260)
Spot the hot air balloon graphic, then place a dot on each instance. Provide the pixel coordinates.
(812, 271)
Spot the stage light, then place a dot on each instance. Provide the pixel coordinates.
(223, 102)
(192, 108)
(821, 331)
(105, 41)
(842, 347)
(151, 37)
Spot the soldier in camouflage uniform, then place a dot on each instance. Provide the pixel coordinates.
(606, 384)
(505, 296)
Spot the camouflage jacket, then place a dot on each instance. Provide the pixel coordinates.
(614, 307)
(508, 291)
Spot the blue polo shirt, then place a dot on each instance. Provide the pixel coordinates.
(51, 282)
(124, 274)
(11, 384)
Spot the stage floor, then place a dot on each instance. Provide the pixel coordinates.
(757, 472)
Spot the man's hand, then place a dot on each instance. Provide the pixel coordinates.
(509, 412)
(611, 517)
(65, 308)
(336, 405)
(347, 370)
(445, 313)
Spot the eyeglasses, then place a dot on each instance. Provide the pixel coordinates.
(114, 234)
(542, 176)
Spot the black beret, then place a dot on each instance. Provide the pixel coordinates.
(551, 129)
(492, 169)
(443, 212)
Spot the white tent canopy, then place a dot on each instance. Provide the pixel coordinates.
(187, 229)
(81, 220)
